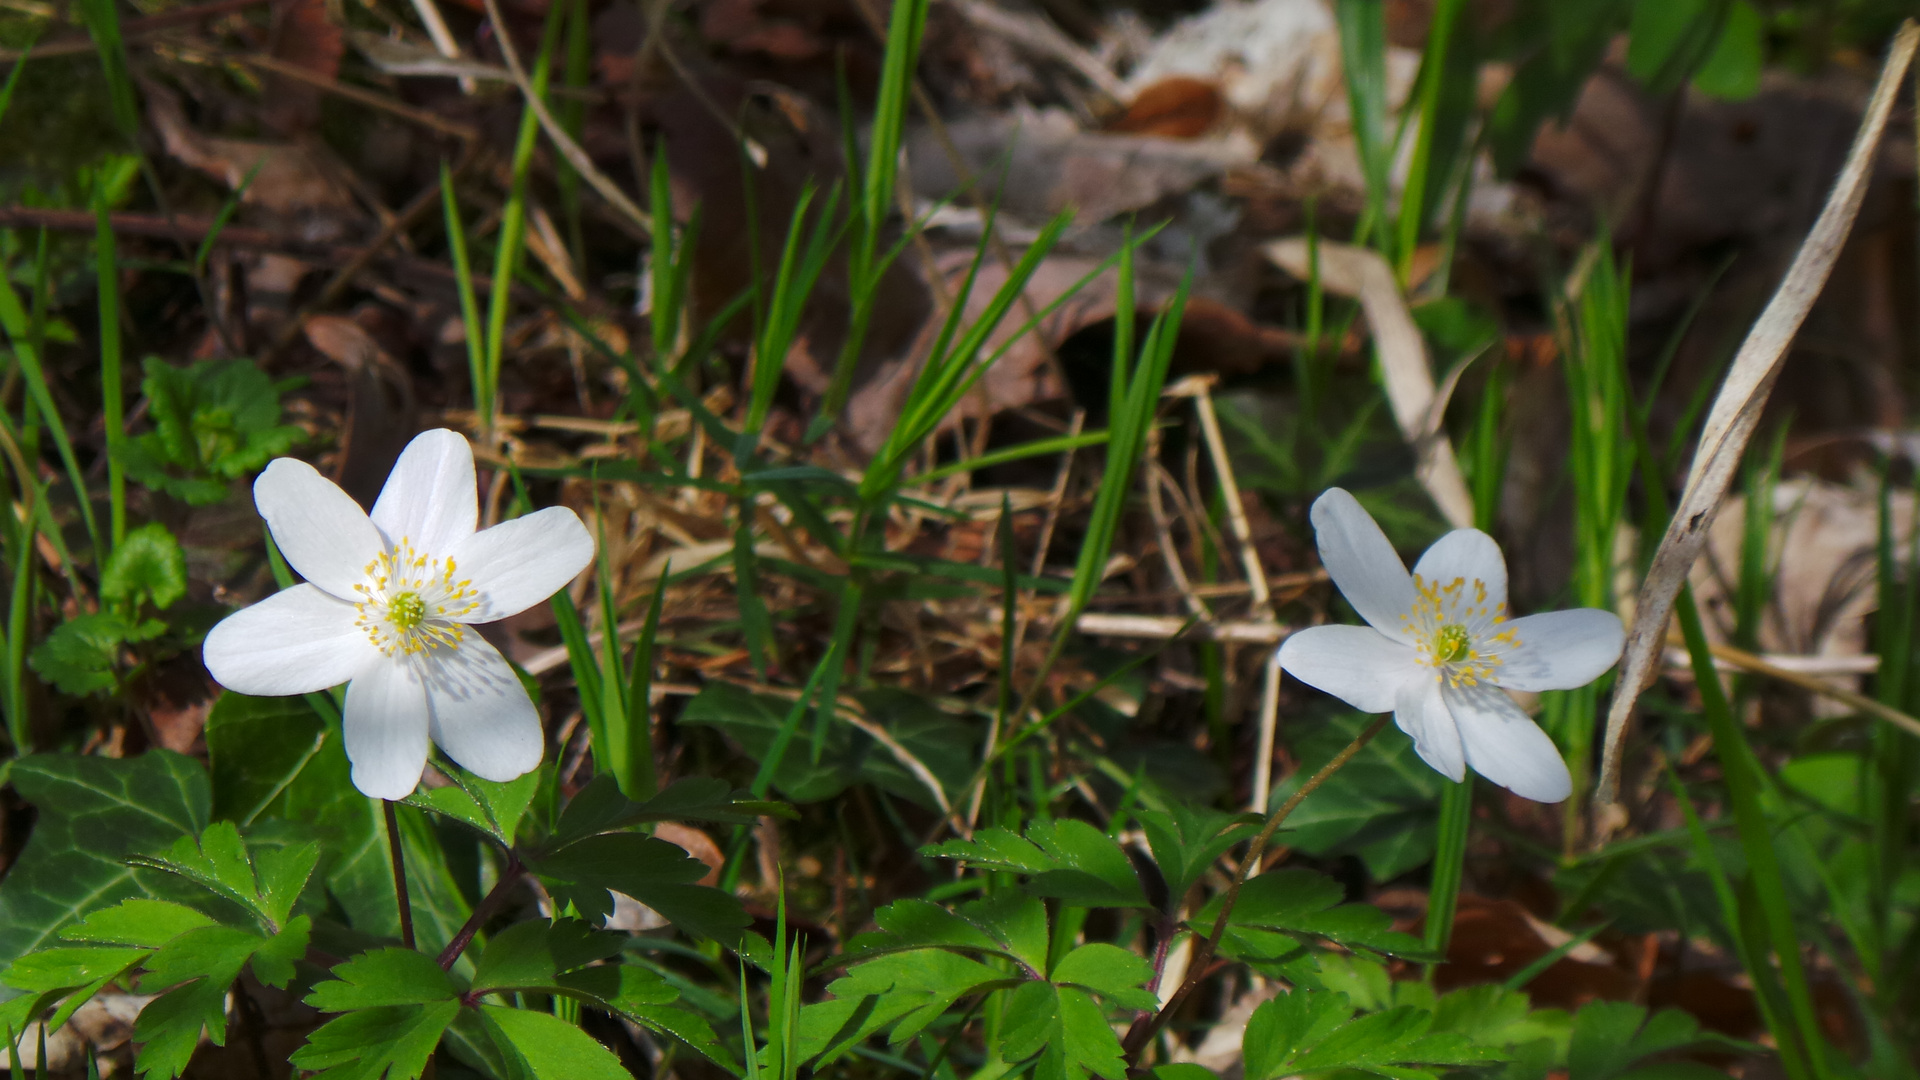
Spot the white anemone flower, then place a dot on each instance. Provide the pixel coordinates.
(1439, 650)
(389, 607)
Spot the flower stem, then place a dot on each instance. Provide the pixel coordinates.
(1141, 1034)
(482, 912)
(399, 874)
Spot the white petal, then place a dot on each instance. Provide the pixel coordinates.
(516, 564)
(430, 497)
(296, 641)
(480, 714)
(1357, 664)
(1560, 650)
(319, 528)
(386, 729)
(1469, 554)
(1420, 712)
(1505, 746)
(1362, 562)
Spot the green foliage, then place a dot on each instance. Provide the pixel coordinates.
(1380, 807)
(95, 813)
(1315, 1031)
(84, 654)
(146, 567)
(213, 423)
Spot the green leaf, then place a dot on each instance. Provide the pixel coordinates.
(493, 808)
(213, 423)
(1315, 1031)
(684, 1026)
(147, 565)
(1611, 1038)
(258, 748)
(600, 807)
(1067, 859)
(1296, 901)
(216, 860)
(147, 923)
(1107, 970)
(66, 968)
(1065, 1028)
(905, 991)
(532, 954)
(621, 988)
(94, 813)
(553, 1048)
(82, 655)
(1186, 840)
(1379, 807)
(1732, 70)
(1183, 1071)
(168, 1028)
(391, 1041)
(1280, 1028)
(921, 922)
(652, 871)
(384, 977)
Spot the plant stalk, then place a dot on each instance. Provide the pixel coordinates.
(399, 874)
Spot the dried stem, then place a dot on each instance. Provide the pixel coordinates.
(483, 911)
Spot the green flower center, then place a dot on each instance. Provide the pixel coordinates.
(1451, 643)
(407, 611)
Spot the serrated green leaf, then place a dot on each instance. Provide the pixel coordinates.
(384, 977)
(391, 1041)
(921, 922)
(553, 1048)
(95, 812)
(66, 968)
(686, 1027)
(1187, 840)
(1281, 1028)
(621, 988)
(1107, 970)
(1297, 901)
(147, 565)
(1018, 922)
(216, 860)
(167, 1030)
(143, 922)
(532, 954)
(282, 874)
(82, 655)
(216, 953)
(1183, 1071)
(273, 962)
(903, 991)
(652, 871)
(600, 807)
(214, 422)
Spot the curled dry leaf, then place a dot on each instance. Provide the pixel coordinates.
(1357, 272)
(1736, 412)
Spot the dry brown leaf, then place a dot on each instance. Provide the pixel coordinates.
(1735, 413)
(1353, 271)
(1176, 107)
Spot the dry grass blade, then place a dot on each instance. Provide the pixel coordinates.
(563, 142)
(1357, 272)
(1735, 413)
(1770, 667)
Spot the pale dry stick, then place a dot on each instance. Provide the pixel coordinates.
(1735, 414)
(1165, 627)
(1040, 37)
(1163, 532)
(1762, 665)
(562, 141)
(1200, 389)
(441, 37)
(1352, 271)
(366, 97)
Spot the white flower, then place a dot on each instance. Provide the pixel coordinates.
(1438, 648)
(389, 607)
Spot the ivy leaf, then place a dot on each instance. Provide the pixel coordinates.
(95, 813)
(652, 871)
(146, 565)
(552, 1047)
(384, 977)
(391, 1041)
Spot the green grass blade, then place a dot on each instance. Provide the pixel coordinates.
(113, 401)
(21, 333)
(102, 20)
(469, 304)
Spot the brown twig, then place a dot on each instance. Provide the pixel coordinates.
(483, 911)
(76, 44)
